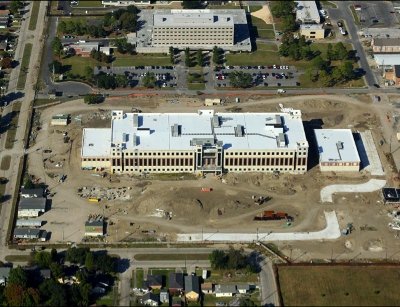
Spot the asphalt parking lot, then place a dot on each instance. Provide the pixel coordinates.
(262, 75)
(165, 75)
(377, 14)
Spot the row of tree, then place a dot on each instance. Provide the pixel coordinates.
(232, 259)
(285, 10)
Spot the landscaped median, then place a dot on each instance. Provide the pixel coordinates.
(34, 15)
(143, 59)
(12, 130)
(24, 67)
(169, 257)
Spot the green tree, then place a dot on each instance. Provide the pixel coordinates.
(57, 46)
(56, 67)
(18, 277)
(218, 259)
(337, 75)
(319, 63)
(215, 55)
(326, 79)
(191, 4)
(347, 71)
(57, 270)
(62, 27)
(15, 6)
(330, 55)
(53, 293)
(240, 79)
(121, 80)
(172, 55)
(289, 23)
(282, 8)
(43, 259)
(200, 57)
(128, 21)
(105, 263)
(89, 261)
(149, 80)
(340, 51)
(89, 99)
(6, 62)
(188, 61)
(77, 254)
(246, 302)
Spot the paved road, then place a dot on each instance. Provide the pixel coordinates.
(269, 289)
(343, 12)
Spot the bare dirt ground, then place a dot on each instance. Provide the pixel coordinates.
(264, 14)
(229, 206)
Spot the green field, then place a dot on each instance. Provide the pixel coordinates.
(89, 3)
(5, 163)
(139, 278)
(196, 86)
(339, 285)
(261, 29)
(156, 257)
(157, 59)
(266, 54)
(24, 66)
(12, 130)
(18, 258)
(34, 15)
(79, 63)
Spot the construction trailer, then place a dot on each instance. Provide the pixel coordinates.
(271, 216)
(28, 223)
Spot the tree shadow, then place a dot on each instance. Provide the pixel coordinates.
(6, 99)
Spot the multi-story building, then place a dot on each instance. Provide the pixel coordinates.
(312, 31)
(307, 12)
(194, 29)
(197, 143)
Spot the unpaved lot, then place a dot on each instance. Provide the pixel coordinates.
(142, 212)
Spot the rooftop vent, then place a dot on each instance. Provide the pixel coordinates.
(215, 121)
(280, 140)
(135, 120)
(239, 131)
(175, 130)
(339, 145)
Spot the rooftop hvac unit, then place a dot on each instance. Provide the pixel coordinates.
(125, 137)
(239, 131)
(280, 140)
(175, 130)
(215, 121)
(135, 120)
(339, 145)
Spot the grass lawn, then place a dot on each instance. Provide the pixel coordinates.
(227, 6)
(266, 54)
(89, 4)
(109, 299)
(261, 29)
(269, 34)
(155, 257)
(254, 8)
(12, 130)
(339, 285)
(18, 258)
(5, 163)
(24, 67)
(79, 63)
(355, 15)
(196, 86)
(162, 272)
(139, 278)
(34, 15)
(157, 59)
(222, 276)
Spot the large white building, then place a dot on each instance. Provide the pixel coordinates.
(194, 29)
(307, 12)
(197, 143)
(337, 150)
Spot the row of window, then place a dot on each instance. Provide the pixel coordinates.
(259, 161)
(155, 162)
(339, 163)
(96, 159)
(197, 29)
(155, 170)
(130, 154)
(268, 153)
(261, 169)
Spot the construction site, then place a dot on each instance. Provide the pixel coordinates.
(157, 207)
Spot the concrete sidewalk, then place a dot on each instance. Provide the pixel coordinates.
(370, 186)
(331, 231)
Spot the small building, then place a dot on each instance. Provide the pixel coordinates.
(176, 282)
(31, 207)
(28, 223)
(207, 288)
(393, 74)
(4, 274)
(208, 102)
(150, 299)
(154, 281)
(312, 31)
(84, 49)
(32, 193)
(243, 288)
(307, 12)
(192, 288)
(106, 50)
(5, 13)
(337, 150)
(94, 228)
(385, 45)
(225, 290)
(3, 23)
(60, 120)
(164, 296)
(204, 274)
(391, 195)
(27, 233)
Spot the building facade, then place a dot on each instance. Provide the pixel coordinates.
(312, 31)
(337, 150)
(203, 142)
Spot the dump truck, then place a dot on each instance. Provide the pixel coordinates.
(272, 216)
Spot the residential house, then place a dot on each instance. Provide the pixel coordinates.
(243, 288)
(31, 193)
(84, 49)
(176, 282)
(154, 281)
(192, 288)
(31, 207)
(3, 46)
(164, 296)
(150, 299)
(393, 75)
(207, 288)
(225, 290)
(4, 273)
(26, 233)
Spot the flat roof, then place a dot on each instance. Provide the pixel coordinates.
(386, 41)
(155, 131)
(336, 145)
(307, 10)
(35, 191)
(387, 59)
(32, 203)
(311, 27)
(96, 142)
(27, 231)
(209, 18)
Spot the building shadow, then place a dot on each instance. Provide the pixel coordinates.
(313, 154)
(361, 151)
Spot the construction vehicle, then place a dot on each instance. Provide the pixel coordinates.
(93, 199)
(206, 189)
(272, 216)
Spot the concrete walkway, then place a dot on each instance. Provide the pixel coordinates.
(331, 231)
(374, 162)
(370, 186)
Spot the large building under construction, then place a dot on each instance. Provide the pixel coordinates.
(202, 142)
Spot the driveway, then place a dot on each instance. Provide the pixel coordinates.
(370, 186)
(331, 231)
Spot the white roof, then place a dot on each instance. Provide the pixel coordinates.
(209, 18)
(307, 11)
(336, 145)
(387, 59)
(310, 27)
(96, 142)
(154, 131)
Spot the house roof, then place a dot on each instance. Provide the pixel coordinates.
(153, 280)
(192, 283)
(176, 280)
(27, 231)
(386, 42)
(38, 203)
(243, 286)
(225, 288)
(94, 223)
(4, 272)
(207, 286)
(36, 191)
(397, 71)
